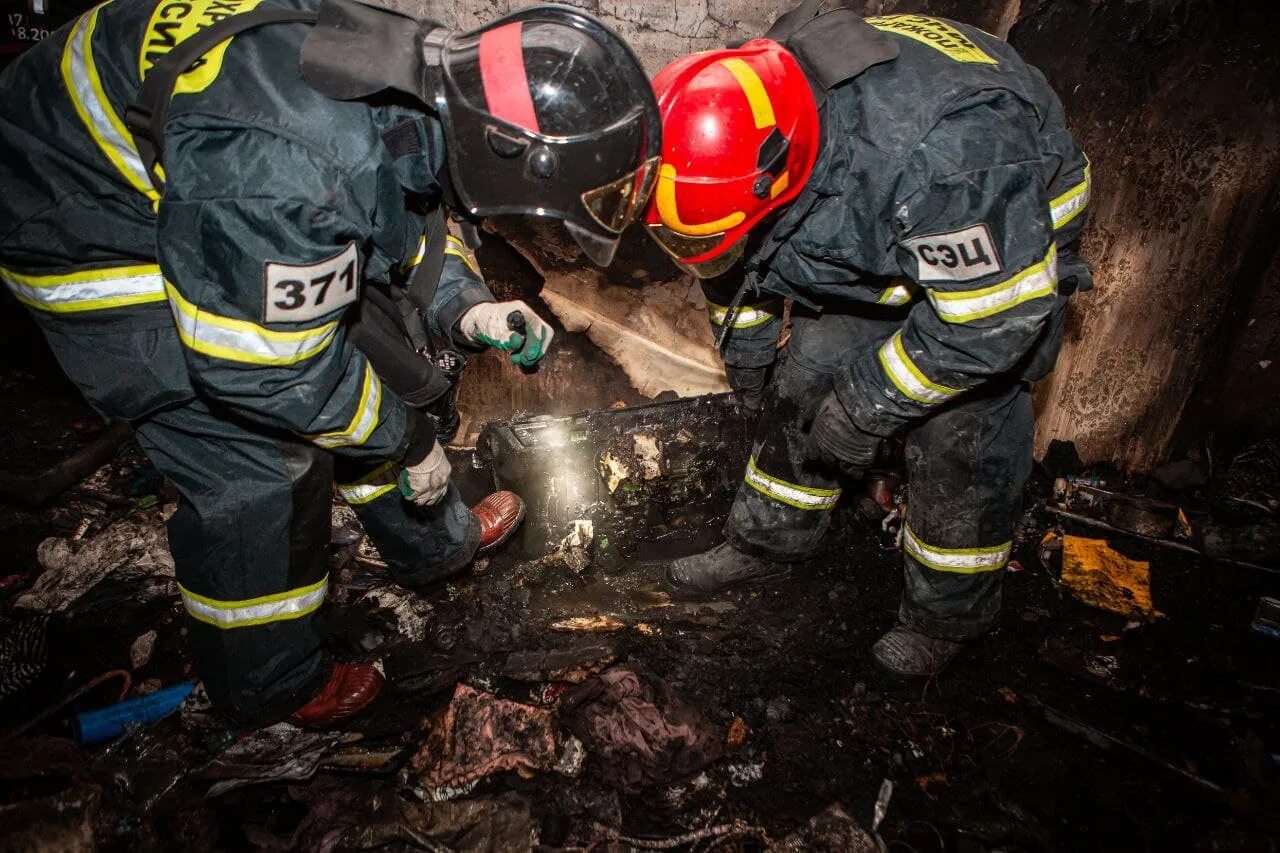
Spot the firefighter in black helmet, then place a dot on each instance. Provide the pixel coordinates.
(200, 252)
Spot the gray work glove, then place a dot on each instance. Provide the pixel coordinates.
(748, 383)
(425, 484)
(489, 323)
(837, 442)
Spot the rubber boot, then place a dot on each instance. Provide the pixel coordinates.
(908, 654)
(350, 689)
(499, 516)
(714, 571)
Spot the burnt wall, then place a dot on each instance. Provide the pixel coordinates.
(1176, 103)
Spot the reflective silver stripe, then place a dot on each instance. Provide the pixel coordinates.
(239, 340)
(1067, 206)
(87, 290)
(908, 378)
(365, 418)
(374, 485)
(457, 248)
(747, 316)
(896, 295)
(965, 561)
(791, 494)
(1034, 282)
(281, 607)
(80, 73)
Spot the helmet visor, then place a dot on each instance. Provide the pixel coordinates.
(619, 203)
(682, 247)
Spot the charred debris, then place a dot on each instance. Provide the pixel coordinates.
(556, 698)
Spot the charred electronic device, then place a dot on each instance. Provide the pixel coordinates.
(638, 474)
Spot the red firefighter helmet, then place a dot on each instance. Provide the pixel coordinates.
(739, 140)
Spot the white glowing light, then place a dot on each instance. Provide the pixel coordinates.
(556, 435)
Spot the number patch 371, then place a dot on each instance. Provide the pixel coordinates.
(297, 293)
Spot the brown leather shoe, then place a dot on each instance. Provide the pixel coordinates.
(351, 688)
(499, 516)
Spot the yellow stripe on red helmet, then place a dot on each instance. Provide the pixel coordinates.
(753, 88)
(669, 212)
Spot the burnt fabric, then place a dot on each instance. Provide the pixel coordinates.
(930, 259)
(481, 734)
(213, 316)
(637, 731)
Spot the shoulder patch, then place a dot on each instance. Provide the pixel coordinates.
(296, 293)
(937, 34)
(175, 21)
(962, 255)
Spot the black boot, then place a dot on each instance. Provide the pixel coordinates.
(909, 654)
(714, 571)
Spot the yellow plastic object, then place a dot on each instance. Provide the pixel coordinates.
(1101, 577)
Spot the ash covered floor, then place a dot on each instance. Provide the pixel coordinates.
(1068, 728)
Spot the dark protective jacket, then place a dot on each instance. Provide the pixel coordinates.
(946, 179)
(279, 207)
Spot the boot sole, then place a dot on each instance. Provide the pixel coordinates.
(504, 537)
(689, 593)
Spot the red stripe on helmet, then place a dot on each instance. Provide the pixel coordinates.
(506, 85)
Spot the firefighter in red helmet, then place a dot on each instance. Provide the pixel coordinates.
(910, 184)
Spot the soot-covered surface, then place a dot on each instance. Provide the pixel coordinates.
(1003, 751)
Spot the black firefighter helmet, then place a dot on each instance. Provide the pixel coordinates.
(546, 111)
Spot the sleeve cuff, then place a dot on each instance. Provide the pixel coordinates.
(448, 314)
(857, 395)
(754, 347)
(419, 438)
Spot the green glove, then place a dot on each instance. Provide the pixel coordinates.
(494, 324)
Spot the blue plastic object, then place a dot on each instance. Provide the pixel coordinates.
(110, 722)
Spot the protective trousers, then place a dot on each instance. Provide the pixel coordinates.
(250, 536)
(967, 465)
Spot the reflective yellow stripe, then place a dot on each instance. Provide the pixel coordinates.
(80, 74)
(961, 306)
(457, 248)
(908, 378)
(936, 34)
(747, 316)
(281, 607)
(780, 186)
(664, 196)
(753, 88)
(452, 246)
(372, 486)
(791, 494)
(239, 340)
(87, 290)
(964, 561)
(1069, 205)
(898, 294)
(363, 420)
(417, 254)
